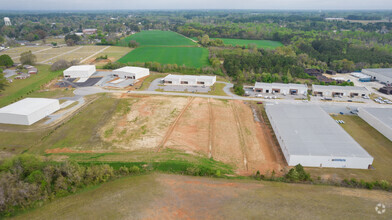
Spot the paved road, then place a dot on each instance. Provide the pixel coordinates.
(333, 106)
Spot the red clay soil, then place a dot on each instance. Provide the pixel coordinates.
(226, 131)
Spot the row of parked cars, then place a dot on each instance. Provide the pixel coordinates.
(382, 101)
(340, 121)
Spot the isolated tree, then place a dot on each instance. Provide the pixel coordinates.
(3, 81)
(205, 40)
(133, 44)
(70, 42)
(6, 61)
(28, 58)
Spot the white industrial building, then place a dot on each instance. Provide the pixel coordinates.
(281, 88)
(28, 111)
(81, 71)
(7, 21)
(189, 80)
(383, 75)
(130, 72)
(333, 91)
(309, 136)
(378, 118)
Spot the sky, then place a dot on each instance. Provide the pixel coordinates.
(194, 4)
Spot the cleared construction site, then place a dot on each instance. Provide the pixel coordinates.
(227, 131)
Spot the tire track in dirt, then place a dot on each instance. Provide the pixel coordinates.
(171, 128)
(210, 129)
(241, 134)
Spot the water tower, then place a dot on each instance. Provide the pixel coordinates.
(7, 21)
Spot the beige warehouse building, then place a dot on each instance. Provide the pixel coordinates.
(345, 91)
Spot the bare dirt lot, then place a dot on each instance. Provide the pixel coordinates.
(223, 130)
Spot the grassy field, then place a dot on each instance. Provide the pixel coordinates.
(265, 44)
(149, 79)
(157, 38)
(373, 142)
(165, 47)
(162, 196)
(21, 88)
(188, 56)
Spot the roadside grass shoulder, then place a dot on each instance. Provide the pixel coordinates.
(146, 82)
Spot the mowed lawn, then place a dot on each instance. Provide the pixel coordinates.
(162, 196)
(376, 144)
(20, 88)
(265, 44)
(157, 38)
(188, 56)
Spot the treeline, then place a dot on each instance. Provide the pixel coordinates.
(26, 180)
(265, 66)
(344, 57)
(298, 174)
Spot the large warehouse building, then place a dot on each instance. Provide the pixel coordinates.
(189, 80)
(81, 71)
(28, 111)
(346, 91)
(130, 72)
(309, 136)
(280, 88)
(379, 118)
(383, 75)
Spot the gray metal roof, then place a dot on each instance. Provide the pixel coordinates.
(189, 77)
(382, 114)
(382, 71)
(27, 106)
(308, 130)
(331, 88)
(289, 85)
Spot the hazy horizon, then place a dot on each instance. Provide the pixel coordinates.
(77, 5)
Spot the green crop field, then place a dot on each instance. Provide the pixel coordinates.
(188, 56)
(265, 44)
(157, 38)
(165, 47)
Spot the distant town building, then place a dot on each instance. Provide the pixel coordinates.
(89, 31)
(7, 21)
(334, 19)
(281, 88)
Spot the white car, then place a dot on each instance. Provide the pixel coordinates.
(259, 96)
